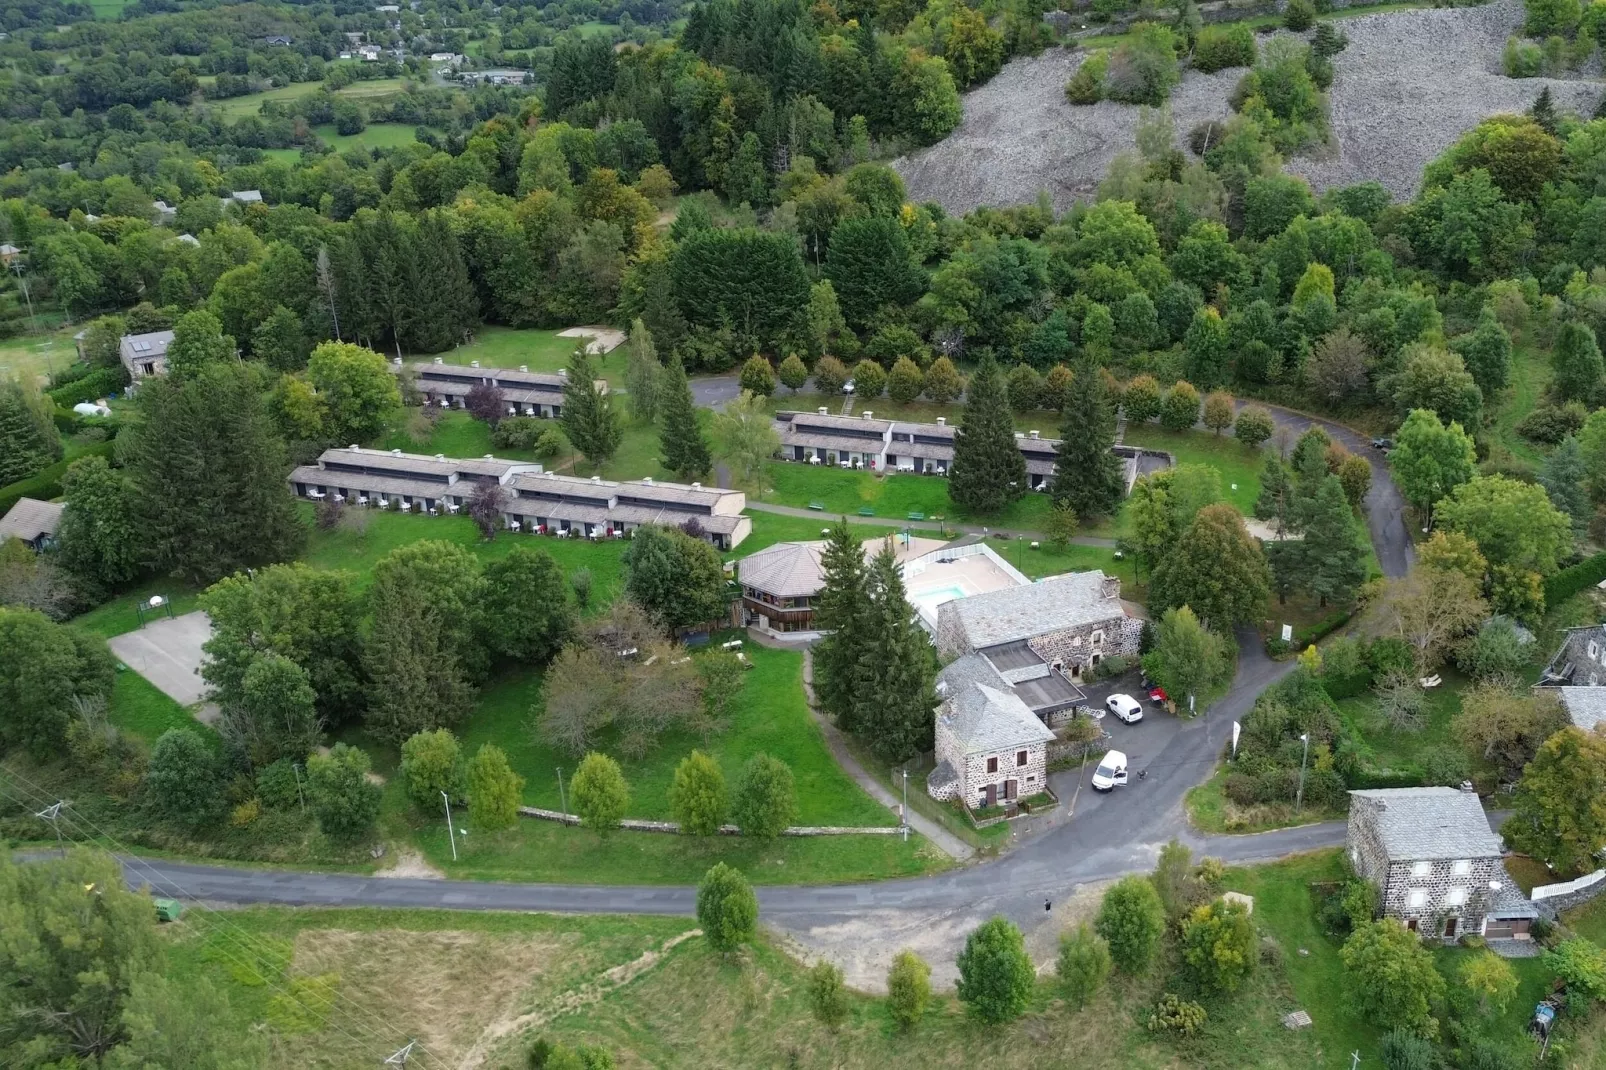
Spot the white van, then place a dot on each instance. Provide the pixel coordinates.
(1111, 772)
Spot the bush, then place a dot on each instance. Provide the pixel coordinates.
(828, 996)
(1083, 965)
(1299, 15)
(1569, 581)
(1180, 410)
(1218, 945)
(697, 796)
(432, 763)
(182, 781)
(279, 785)
(727, 909)
(908, 988)
(995, 974)
(1445, 767)
(494, 789)
(1497, 650)
(344, 800)
(1549, 424)
(765, 802)
(1522, 59)
(1143, 70)
(600, 793)
(1087, 84)
(517, 432)
(1173, 1014)
(1404, 1050)
(1226, 46)
(1131, 920)
(97, 384)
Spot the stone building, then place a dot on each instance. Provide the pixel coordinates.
(1062, 624)
(145, 355)
(1577, 675)
(1435, 861)
(991, 748)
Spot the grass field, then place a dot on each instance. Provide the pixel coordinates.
(137, 707)
(542, 351)
(251, 103)
(1530, 375)
(38, 355)
(376, 136)
(894, 496)
(1390, 749)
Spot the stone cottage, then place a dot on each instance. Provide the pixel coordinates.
(991, 748)
(1432, 855)
(1063, 624)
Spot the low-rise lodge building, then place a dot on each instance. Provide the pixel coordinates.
(526, 393)
(145, 355)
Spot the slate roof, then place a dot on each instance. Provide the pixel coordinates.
(1508, 901)
(150, 346)
(784, 570)
(1054, 604)
(1414, 824)
(31, 518)
(983, 712)
(1586, 706)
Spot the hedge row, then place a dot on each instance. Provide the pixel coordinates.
(46, 484)
(1569, 581)
(97, 384)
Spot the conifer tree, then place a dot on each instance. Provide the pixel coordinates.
(894, 696)
(842, 611)
(208, 473)
(1333, 566)
(28, 437)
(644, 375)
(684, 448)
(442, 306)
(1276, 501)
(1087, 475)
(988, 471)
(589, 418)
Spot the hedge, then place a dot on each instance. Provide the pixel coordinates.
(97, 384)
(46, 483)
(1569, 581)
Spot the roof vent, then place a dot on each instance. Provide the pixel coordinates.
(473, 364)
(440, 360)
(942, 421)
(596, 479)
(868, 414)
(823, 410)
(490, 456)
(524, 367)
(1033, 434)
(1020, 434)
(396, 361)
(563, 372)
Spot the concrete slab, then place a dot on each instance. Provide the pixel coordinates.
(168, 654)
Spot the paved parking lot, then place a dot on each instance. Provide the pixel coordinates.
(168, 653)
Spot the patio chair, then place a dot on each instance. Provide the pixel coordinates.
(513, 525)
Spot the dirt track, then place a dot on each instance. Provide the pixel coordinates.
(1408, 85)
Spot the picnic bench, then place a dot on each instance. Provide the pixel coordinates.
(867, 511)
(917, 516)
(818, 507)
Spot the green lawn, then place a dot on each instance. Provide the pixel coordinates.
(121, 613)
(893, 496)
(375, 136)
(1238, 464)
(137, 707)
(1530, 375)
(40, 354)
(1589, 920)
(541, 351)
(251, 103)
(1391, 750)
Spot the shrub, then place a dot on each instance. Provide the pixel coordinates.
(828, 996)
(1254, 426)
(869, 380)
(1083, 964)
(1299, 15)
(1131, 920)
(1445, 767)
(1569, 581)
(1549, 424)
(1173, 1014)
(727, 909)
(1087, 84)
(518, 432)
(1404, 1050)
(765, 802)
(279, 785)
(1180, 410)
(1497, 650)
(697, 795)
(1143, 70)
(494, 789)
(1220, 47)
(431, 763)
(995, 973)
(908, 988)
(600, 793)
(1218, 945)
(91, 387)
(1522, 59)
(181, 783)
(245, 815)
(344, 800)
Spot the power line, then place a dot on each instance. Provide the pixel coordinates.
(232, 938)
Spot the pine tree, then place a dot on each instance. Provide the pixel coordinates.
(644, 374)
(1276, 493)
(589, 418)
(28, 437)
(1333, 565)
(684, 448)
(1565, 477)
(894, 696)
(1544, 111)
(841, 611)
(988, 471)
(208, 473)
(1087, 474)
(443, 306)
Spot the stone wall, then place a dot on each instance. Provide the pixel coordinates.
(1552, 899)
(635, 825)
(1074, 647)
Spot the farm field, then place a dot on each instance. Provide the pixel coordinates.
(39, 354)
(235, 107)
(376, 136)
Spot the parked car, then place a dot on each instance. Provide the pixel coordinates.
(1125, 707)
(1384, 444)
(1111, 772)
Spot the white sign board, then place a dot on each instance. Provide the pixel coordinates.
(1288, 633)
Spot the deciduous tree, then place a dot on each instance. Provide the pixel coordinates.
(995, 974)
(727, 909)
(1393, 980)
(1219, 945)
(1429, 459)
(1131, 920)
(527, 615)
(1180, 410)
(1083, 964)
(697, 797)
(1218, 569)
(828, 994)
(599, 793)
(906, 381)
(1218, 411)
(99, 539)
(494, 789)
(276, 715)
(1560, 804)
(758, 376)
(43, 666)
(343, 799)
(358, 391)
(765, 801)
(908, 989)
(943, 382)
(676, 578)
(1188, 659)
(745, 439)
(181, 782)
(1512, 522)
(432, 763)
(198, 340)
(643, 373)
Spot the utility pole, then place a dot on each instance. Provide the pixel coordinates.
(903, 816)
(450, 835)
(52, 814)
(16, 266)
(562, 799)
(401, 1056)
(1299, 796)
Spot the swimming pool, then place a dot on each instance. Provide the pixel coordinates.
(930, 600)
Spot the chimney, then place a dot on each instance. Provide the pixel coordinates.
(490, 456)
(1033, 435)
(524, 367)
(440, 360)
(354, 448)
(868, 414)
(942, 421)
(824, 411)
(396, 361)
(473, 364)
(563, 372)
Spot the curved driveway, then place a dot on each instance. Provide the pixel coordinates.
(1108, 836)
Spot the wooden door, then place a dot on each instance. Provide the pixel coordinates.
(992, 795)
(1010, 787)
(1450, 926)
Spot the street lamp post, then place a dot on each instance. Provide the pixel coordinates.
(1299, 796)
(903, 816)
(449, 833)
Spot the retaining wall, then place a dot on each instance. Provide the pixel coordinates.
(1553, 899)
(631, 824)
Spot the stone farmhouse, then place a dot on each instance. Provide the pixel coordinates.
(1436, 864)
(1062, 625)
(1577, 675)
(926, 448)
(991, 748)
(780, 583)
(526, 393)
(534, 501)
(145, 355)
(32, 521)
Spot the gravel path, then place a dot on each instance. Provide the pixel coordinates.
(1409, 84)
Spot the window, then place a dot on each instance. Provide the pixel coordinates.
(1098, 637)
(1422, 869)
(1417, 900)
(1455, 897)
(1461, 868)
(992, 765)
(1020, 757)
(1594, 650)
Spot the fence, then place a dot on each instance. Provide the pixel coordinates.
(630, 824)
(1552, 899)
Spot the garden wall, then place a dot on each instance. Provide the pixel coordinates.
(1553, 899)
(636, 825)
